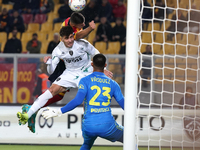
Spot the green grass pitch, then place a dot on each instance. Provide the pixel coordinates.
(41, 147)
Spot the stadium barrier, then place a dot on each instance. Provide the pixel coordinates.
(18, 75)
(66, 130)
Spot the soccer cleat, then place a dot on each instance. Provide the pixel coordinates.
(20, 122)
(31, 123)
(23, 118)
(31, 120)
(25, 108)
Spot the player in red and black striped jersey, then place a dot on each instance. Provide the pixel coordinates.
(77, 22)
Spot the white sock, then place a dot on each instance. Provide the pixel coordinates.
(40, 101)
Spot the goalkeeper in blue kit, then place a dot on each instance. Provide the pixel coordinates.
(96, 91)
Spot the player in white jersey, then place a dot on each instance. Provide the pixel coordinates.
(77, 58)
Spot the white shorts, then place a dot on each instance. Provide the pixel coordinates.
(71, 78)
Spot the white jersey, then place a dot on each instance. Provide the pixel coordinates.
(77, 60)
(76, 57)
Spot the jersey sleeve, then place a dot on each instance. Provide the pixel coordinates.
(76, 30)
(82, 87)
(65, 23)
(74, 103)
(118, 94)
(91, 49)
(51, 65)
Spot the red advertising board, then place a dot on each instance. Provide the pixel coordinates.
(25, 83)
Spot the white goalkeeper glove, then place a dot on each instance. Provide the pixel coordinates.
(49, 113)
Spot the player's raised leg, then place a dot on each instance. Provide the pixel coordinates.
(56, 98)
(31, 120)
(28, 111)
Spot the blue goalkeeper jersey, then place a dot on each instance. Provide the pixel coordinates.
(99, 90)
(96, 90)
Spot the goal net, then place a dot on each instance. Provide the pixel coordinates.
(169, 77)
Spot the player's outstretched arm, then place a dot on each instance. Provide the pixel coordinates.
(51, 63)
(49, 112)
(83, 33)
(118, 95)
(121, 103)
(46, 58)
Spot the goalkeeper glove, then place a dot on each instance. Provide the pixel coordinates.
(49, 113)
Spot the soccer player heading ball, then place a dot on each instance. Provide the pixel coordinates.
(77, 22)
(96, 91)
(76, 56)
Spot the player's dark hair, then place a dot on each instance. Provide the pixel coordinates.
(77, 18)
(99, 61)
(66, 31)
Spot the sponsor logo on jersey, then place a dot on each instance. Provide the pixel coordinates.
(192, 127)
(75, 59)
(96, 110)
(81, 86)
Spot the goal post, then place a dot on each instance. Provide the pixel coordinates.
(130, 74)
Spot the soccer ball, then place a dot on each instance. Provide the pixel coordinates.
(77, 5)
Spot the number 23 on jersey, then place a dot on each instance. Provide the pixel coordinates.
(104, 91)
